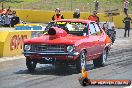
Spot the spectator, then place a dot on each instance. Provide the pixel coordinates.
(58, 15)
(76, 14)
(6, 20)
(15, 19)
(126, 5)
(127, 22)
(1, 20)
(94, 17)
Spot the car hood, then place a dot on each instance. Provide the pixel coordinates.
(52, 39)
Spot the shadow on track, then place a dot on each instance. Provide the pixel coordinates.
(52, 70)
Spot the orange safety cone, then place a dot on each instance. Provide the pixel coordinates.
(86, 74)
(84, 80)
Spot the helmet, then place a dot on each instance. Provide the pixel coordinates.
(57, 9)
(14, 12)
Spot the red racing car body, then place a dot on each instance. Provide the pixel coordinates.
(68, 41)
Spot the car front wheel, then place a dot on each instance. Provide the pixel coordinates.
(31, 65)
(101, 61)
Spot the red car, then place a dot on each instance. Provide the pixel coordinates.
(68, 41)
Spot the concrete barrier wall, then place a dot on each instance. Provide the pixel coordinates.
(3, 36)
(45, 16)
(1, 48)
(11, 42)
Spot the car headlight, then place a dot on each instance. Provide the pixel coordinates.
(70, 48)
(27, 47)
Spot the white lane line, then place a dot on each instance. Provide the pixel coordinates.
(3, 59)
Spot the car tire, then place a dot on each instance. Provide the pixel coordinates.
(31, 65)
(101, 61)
(81, 61)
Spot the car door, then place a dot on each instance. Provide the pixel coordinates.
(100, 37)
(94, 40)
(88, 42)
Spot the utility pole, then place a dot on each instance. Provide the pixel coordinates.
(71, 1)
(2, 6)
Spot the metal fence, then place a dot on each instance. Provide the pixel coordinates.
(70, 5)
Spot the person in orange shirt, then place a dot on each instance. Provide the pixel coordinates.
(94, 17)
(58, 15)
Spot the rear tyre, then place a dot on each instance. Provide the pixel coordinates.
(101, 61)
(81, 61)
(31, 65)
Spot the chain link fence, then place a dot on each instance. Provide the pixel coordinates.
(71, 5)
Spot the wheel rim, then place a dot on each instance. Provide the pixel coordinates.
(104, 56)
(83, 59)
(33, 64)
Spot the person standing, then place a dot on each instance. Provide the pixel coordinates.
(6, 20)
(58, 15)
(126, 5)
(127, 22)
(94, 17)
(15, 19)
(76, 14)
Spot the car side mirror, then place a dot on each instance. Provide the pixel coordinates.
(84, 34)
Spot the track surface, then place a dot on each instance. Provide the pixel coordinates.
(14, 74)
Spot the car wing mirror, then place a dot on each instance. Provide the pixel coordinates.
(84, 34)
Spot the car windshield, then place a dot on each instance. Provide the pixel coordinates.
(75, 28)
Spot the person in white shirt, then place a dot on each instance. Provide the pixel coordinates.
(126, 5)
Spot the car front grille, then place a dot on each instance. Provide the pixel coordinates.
(47, 48)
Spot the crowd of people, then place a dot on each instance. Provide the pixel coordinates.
(9, 18)
(76, 15)
(127, 20)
